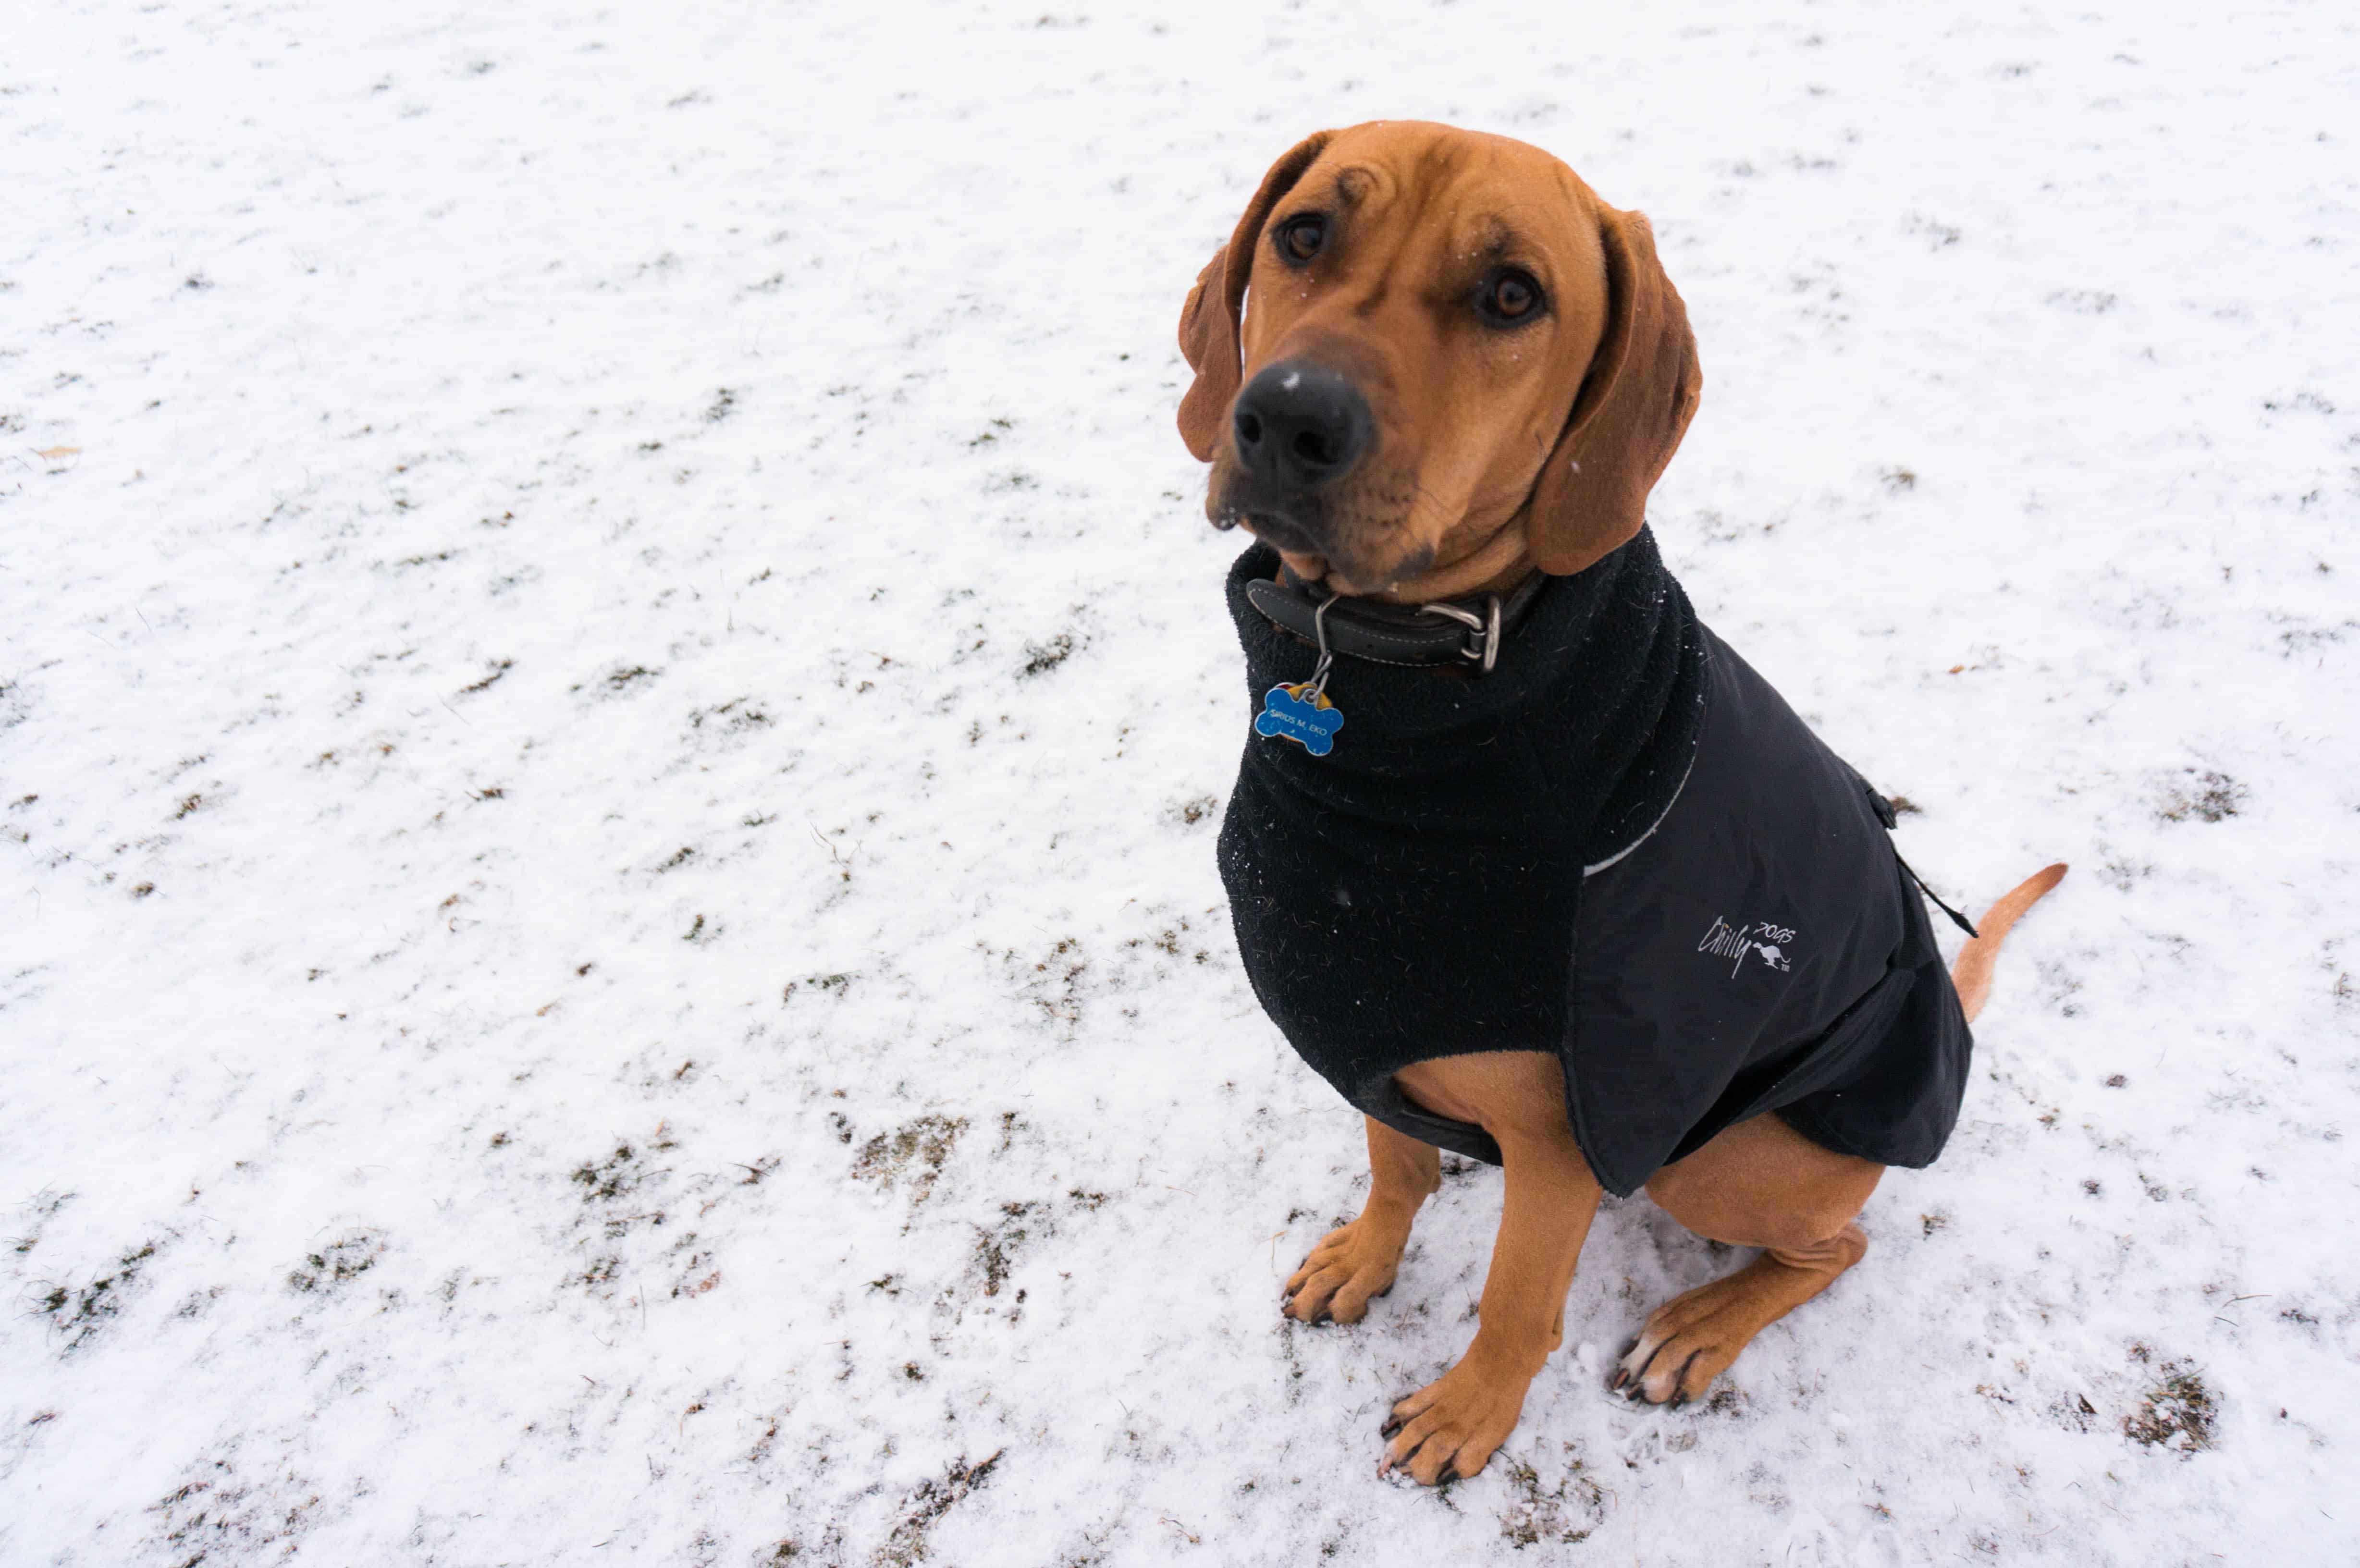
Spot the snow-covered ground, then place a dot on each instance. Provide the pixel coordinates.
(614, 702)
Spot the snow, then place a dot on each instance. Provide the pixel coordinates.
(614, 701)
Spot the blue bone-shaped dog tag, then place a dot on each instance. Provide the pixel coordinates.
(1311, 725)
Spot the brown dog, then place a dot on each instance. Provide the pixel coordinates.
(1511, 372)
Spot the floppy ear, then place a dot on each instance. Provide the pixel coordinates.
(1208, 321)
(1628, 418)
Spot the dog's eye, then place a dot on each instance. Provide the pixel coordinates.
(1509, 296)
(1300, 239)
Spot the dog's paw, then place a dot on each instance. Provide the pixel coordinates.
(1689, 1342)
(1448, 1430)
(1348, 1270)
(1691, 1339)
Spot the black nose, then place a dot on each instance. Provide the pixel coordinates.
(1300, 426)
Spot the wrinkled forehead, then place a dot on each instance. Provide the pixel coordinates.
(1473, 199)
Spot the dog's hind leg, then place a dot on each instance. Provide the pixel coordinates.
(1760, 1184)
(1356, 1263)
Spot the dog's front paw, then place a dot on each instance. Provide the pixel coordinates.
(1448, 1430)
(1348, 1270)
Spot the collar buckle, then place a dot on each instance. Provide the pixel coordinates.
(1483, 645)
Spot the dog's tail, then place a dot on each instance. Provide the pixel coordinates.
(1972, 972)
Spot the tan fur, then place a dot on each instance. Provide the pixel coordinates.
(1495, 453)
(1972, 972)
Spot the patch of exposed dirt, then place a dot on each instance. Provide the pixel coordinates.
(1040, 657)
(615, 1177)
(79, 1313)
(916, 1150)
(614, 1200)
(221, 1511)
(338, 1262)
(2207, 796)
(1564, 1510)
(923, 1509)
(2178, 1413)
(996, 1247)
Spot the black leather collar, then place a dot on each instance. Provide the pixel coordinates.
(1465, 633)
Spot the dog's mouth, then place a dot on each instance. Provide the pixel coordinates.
(1280, 532)
(1307, 556)
(1292, 529)
(1294, 525)
(1316, 557)
(1353, 542)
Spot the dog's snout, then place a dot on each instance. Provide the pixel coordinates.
(1301, 426)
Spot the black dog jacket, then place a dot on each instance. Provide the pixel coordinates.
(1621, 846)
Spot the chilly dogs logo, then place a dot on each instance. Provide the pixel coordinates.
(1725, 941)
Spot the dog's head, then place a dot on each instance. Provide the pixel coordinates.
(1421, 339)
